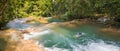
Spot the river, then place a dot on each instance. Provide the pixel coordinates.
(60, 38)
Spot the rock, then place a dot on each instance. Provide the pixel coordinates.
(24, 45)
(38, 19)
(73, 23)
(28, 45)
(103, 19)
(16, 43)
(25, 31)
(111, 31)
(78, 34)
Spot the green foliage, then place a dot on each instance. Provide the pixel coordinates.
(62, 9)
(25, 8)
(3, 10)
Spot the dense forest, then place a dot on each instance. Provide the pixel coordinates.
(61, 9)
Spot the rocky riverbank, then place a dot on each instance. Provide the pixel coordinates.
(15, 42)
(113, 31)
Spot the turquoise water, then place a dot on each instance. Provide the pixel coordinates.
(60, 38)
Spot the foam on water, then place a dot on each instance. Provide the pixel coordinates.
(55, 49)
(18, 23)
(35, 34)
(92, 46)
(101, 47)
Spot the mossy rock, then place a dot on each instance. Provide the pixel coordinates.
(3, 44)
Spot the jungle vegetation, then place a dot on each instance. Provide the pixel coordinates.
(61, 9)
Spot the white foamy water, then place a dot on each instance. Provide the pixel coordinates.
(55, 49)
(35, 34)
(18, 23)
(101, 47)
(92, 46)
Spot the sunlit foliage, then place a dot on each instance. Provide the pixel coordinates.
(62, 9)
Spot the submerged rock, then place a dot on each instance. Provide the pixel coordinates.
(111, 31)
(78, 34)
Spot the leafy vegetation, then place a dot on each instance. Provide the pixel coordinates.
(61, 9)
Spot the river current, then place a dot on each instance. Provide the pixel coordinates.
(58, 38)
